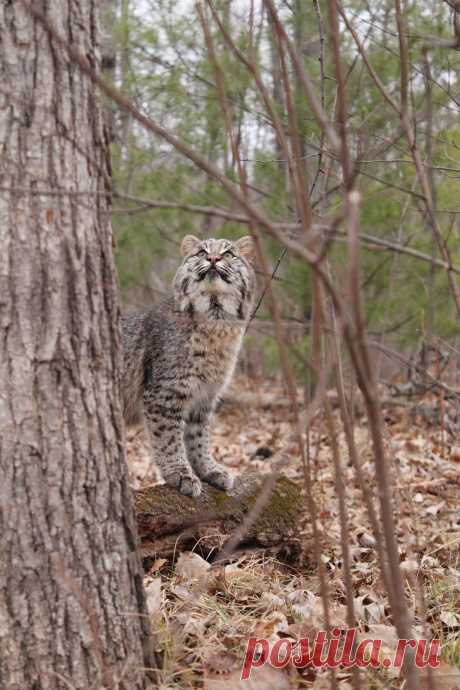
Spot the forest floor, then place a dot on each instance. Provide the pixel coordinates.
(203, 615)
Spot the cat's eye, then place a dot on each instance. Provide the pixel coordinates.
(228, 254)
(202, 252)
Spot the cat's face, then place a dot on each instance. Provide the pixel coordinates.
(216, 279)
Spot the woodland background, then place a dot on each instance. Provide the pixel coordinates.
(194, 69)
(328, 131)
(158, 57)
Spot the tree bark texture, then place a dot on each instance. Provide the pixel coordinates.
(71, 597)
(169, 522)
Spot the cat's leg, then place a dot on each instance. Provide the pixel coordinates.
(166, 428)
(196, 436)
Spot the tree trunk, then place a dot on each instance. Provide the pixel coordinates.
(71, 597)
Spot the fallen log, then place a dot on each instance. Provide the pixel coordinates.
(169, 522)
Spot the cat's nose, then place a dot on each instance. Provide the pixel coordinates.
(213, 258)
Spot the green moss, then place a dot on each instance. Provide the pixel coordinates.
(163, 510)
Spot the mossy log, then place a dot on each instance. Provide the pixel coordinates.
(169, 522)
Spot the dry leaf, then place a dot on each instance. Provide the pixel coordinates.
(221, 662)
(157, 565)
(366, 540)
(452, 620)
(275, 622)
(192, 570)
(369, 609)
(455, 453)
(303, 602)
(262, 678)
(272, 601)
(154, 598)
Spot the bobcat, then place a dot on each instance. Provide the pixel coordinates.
(180, 355)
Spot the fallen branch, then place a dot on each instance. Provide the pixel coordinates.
(169, 522)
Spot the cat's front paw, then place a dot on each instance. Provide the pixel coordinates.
(187, 483)
(190, 486)
(219, 478)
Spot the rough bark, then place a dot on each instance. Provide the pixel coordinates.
(169, 522)
(71, 598)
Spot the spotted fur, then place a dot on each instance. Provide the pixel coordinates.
(179, 356)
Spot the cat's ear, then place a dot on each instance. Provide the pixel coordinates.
(189, 245)
(246, 248)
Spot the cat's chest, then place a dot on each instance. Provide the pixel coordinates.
(213, 353)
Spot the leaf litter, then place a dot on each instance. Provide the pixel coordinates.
(202, 614)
